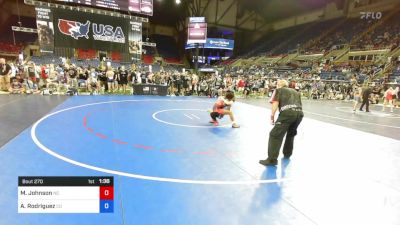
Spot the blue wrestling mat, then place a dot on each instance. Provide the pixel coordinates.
(171, 166)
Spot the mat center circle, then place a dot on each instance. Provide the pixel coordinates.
(192, 118)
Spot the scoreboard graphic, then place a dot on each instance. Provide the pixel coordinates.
(197, 30)
(144, 7)
(65, 194)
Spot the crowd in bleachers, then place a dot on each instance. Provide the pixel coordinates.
(253, 81)
(321, 37)
(49, 74)
(387, 35)
(315, 79)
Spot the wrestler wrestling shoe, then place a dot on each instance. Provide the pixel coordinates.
(269, 162)
(235, 125)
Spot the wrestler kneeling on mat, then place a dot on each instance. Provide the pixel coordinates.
(223, 107)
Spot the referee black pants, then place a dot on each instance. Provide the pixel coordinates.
(286, 124)
(366, 103)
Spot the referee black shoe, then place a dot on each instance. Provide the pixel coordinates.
(268, 162)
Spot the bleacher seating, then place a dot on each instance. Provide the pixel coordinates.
(116, 56)
(395, 75)
(273, 43)
(86, 53)
(148, 59)
(173, 61)
(361, 78)
(46, 59)
(318, 37)
(86, 63)
(332, 75)
(156, 68)
(303, 34)
(227, 62)
(10, 48)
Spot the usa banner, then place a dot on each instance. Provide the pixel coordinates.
(90, 31)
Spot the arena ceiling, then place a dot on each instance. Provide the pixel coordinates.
(272, 10)
(168, 12)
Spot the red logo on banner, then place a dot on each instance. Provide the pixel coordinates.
(74, 29)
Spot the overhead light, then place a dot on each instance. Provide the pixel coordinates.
(178, 1)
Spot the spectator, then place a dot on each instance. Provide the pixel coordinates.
(16, 87)
(195, 81)
(31, 87)
(110, 79)
(93, 83)
(83, 76)
(5, 72)
(122, 79)
(31, 71)
(203, 90)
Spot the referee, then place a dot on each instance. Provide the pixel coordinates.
(288, 101)
(366, 92)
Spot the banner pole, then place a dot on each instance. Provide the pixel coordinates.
(196, 64)
(203, 54)
(14, 37)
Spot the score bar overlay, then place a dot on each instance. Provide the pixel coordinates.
(65, 194)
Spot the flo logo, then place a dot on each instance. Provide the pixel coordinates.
(371, 15)
(73, 28)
